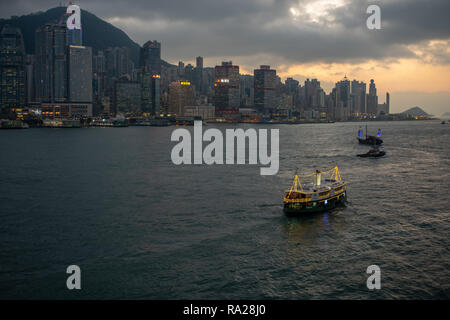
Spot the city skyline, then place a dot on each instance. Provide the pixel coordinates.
(323, 39)
(71, 82)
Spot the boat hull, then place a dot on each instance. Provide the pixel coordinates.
(367, 155)
(371, 140)
(298, 208)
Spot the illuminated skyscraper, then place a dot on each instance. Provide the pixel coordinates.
(226, 90)
(150, 76)
(181, 94)
(12, 71)
(150, 92)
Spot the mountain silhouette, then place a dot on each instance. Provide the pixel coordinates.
(97, 33)
(415, 111)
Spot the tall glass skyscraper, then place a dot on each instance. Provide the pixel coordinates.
(51, 63)
(150, 58)
(75, 37)
(12, 69)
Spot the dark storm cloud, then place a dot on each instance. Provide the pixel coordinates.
(246, 28)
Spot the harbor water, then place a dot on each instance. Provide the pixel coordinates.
(111, 201)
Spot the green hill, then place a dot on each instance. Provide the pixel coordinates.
(97, 33)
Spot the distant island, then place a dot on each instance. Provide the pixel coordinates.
(415, 112)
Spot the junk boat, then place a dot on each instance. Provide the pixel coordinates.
(374, 152)
(369, 139)
(316, 192)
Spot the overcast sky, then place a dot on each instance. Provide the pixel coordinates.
(325, 39)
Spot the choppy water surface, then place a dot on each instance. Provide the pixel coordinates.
(111, 201)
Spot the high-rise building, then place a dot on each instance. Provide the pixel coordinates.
(372, 99)
(358, 96)
(118, 62)
(181, 94)
(77, 99)
(99, 73)
(343, 100)
(80, 74)
(384, 108)
(51, 63)
(199, 63)
(150, 76)
(12, 69)
(156, 94)
(145, 80)
(264, 89)
(29, 78)
(311, 88)
(291, 85)
(226, 90)
(180, 69)
(388, 101)
(150, 92)
(150, 58)
(247, 83)
(127, 96)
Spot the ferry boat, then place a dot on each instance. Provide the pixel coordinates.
(61, 123)
(13, 124)
(316, 192)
